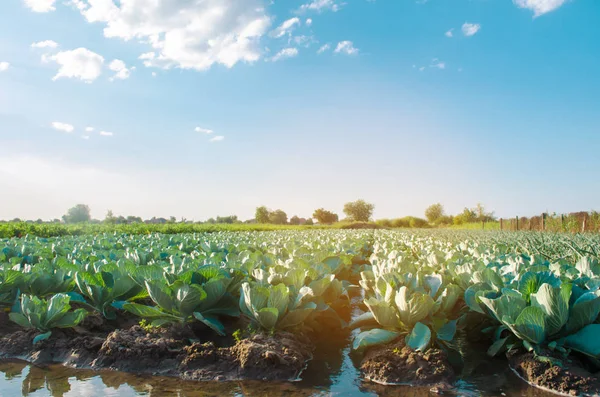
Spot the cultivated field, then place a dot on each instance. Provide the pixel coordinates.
(251, 305)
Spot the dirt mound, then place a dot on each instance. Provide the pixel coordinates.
(570, 379)
(279, 357)
(397, 364)
(65, 346)
(138, 350)
(172, 351)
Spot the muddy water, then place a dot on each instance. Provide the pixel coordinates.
(331, 373)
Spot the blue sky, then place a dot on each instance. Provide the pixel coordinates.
(199, 109)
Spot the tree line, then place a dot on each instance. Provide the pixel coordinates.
(355, 211)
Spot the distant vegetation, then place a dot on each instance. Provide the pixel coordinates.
(359, 215)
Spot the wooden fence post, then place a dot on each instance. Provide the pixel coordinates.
(517, 223)
(562, 222)
(584, 223)
(501, 226)
(544, 221)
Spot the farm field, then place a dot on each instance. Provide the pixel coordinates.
(365, 310)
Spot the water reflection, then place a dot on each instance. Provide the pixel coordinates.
(331, 373)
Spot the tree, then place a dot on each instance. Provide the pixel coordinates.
(278, 217)
(262, 215)
(309, 222)
(359, 210)
(227, 219)
(134, 219)
(481, 215)
(467, 216)
(294, 220)
(110, 217)
(434, 212)
(325, 217)
(79, 213)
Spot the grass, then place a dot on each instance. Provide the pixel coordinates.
(8, 230)
(477, 226)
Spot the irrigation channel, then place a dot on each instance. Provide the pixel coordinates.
(332, 372)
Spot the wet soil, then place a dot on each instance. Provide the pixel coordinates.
(397, 364)
(174, 351)
(570, 379)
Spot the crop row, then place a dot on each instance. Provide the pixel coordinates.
(534, 292)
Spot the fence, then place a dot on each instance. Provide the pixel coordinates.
(574, 222)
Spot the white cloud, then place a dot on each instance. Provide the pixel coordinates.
(86, 137)
(153, 74)
(106, 133)
(217, 138)
(309, 21)
(539, 7)
(285, 53)
(80, 64)
(40, 5)
(436, 63)
(120, 69)
(449, 33)
(186, 34)
(285, 28)
(346, 47)
(470, 29)
(321, 5)
(203, 130)
(89, 129)
(303, 40)
(324, 48)
(45, 44)
(422, 68)
(64, 127)
(4, 66)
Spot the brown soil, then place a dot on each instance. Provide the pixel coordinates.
(397, 364)
(571, 379)
(261, 357)
(171, 352)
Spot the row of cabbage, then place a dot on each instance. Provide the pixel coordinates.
(276, 280)
(534, 290)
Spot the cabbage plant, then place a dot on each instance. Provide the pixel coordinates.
(421, 313)
(204, 296)
(44, 315)
(549, 319)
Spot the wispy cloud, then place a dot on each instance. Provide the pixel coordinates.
(217, 138)
(106, 133)
(437, 64)
(308, 22)
(321, 5)
(4, 66)
(290, 52)
(539, 7)
(89, 129)
(324, 48)
(470, 29)
(120, 69)
(285, 28)
(449, 33)
(64, 127)
(45, 44)
(346, 47)
(40, 5)
(203, 130)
